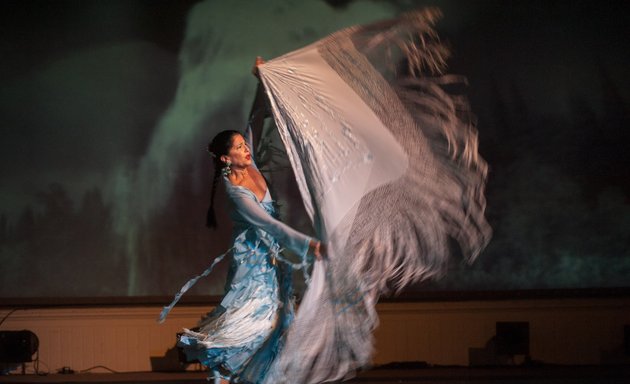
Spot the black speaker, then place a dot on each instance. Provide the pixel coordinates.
(18, 346)
(626, 339)
(512, 338)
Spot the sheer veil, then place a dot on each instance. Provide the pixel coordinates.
(384, 150)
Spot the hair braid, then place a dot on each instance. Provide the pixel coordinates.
(219, 146)
(211, 218)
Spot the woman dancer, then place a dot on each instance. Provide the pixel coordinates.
(239, 339)
(384, 151)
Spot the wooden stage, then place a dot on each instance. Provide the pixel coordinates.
(381, 375)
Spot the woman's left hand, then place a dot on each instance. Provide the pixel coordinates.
(317, 249)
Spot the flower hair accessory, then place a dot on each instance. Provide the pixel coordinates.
(227, 170)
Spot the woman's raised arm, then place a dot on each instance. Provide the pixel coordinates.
(259, 110)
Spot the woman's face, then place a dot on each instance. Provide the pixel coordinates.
(239, 154)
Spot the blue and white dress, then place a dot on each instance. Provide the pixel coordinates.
(242, 336)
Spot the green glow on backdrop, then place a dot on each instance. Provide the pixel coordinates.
(107, 109)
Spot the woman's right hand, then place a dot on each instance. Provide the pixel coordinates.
(259, 61)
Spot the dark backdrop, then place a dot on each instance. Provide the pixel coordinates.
(106, 108)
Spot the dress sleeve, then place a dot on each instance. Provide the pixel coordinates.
(257, 115)
(258, 217)
(249, 140)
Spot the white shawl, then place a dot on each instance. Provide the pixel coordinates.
(385, 156)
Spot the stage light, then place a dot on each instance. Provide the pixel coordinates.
(17, 346)
(512, 338)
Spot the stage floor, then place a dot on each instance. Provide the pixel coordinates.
(450, 375)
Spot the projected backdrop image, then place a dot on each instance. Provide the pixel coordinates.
(107, 108)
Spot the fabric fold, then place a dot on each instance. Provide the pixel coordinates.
(384, 149)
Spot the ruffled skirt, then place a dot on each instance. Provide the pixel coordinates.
(243, 335)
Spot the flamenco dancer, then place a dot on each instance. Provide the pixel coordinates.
(385, 155)
(243, 334)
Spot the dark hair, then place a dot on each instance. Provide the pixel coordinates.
(219, 146)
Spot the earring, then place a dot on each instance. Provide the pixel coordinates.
(227, 170)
